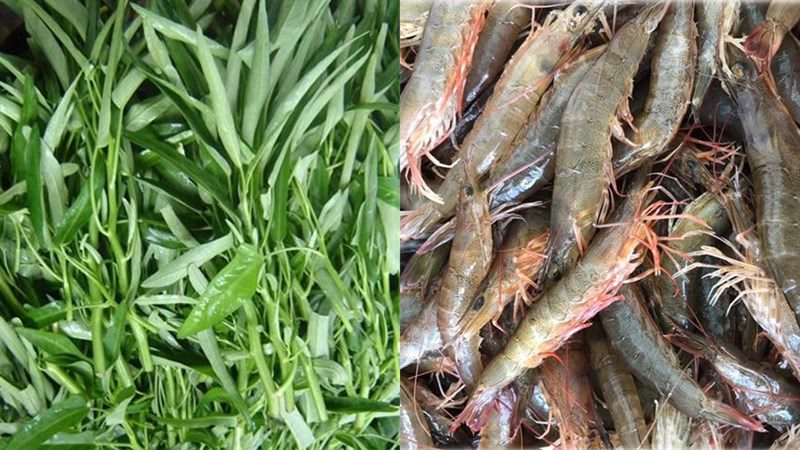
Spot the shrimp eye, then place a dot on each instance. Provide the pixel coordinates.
(581, 10)
(479, 303)
(469, 191)
(737, 69)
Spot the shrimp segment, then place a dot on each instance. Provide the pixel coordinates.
(470, 258)
(565, 308)
(524, 80)
(431, 100)
(583, 171)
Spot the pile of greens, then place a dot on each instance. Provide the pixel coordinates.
(198, 224)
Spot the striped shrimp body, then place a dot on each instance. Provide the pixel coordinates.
(431, 100)
(771, 142)
(470, 259)
(583, 173)
(505, 22)
(512, 271)
(639, 342)
(565, 380)
(516, 94)
(565, 308)
(771, 397)
(715, 20)
(672, 70)
(619, 390)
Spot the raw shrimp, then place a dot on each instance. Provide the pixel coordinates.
(524, 80)
(583, 173)
(564, 309)
(497, 433)
(672, 71)
(772, 140)
(764, 40)
(470, 258)
(512, 270)
(785, 67)
(420, 336)
(638, 341)
(565, 379)
(772, 398)
(416, 280)
(619, 390)
(701, 220)
(433, 412)
(715, 20)
(759, 293)
(414, 432)
(431, 100)
(529, 163)
(413, 16)
(505, 22)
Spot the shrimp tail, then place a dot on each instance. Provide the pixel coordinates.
(477, 412)
(728, 414)
(763, 42)
(413, 224)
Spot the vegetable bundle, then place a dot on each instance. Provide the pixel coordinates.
(198, 224)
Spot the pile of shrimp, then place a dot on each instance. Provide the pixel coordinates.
(600, 236)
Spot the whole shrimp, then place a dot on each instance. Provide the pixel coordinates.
(583, 172)
(677, 290)
(715, 20)
(619, 389)
(470, 258)
(757, 290)
(771, 142)
(565, 307)
(503, 25)
(565, 380)
(639, 342)
(672, 68)
(512, 270)
(772, 398)
(431, 100)
(414, 430)
(530, 162)
(416, 280)
(785, 66)
(524, 80)
(764, 40)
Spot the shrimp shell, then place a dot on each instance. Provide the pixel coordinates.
(564, 309)
(583, 157)
(525, 78)
(431, 100)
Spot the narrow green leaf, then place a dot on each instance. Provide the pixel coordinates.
(50, 47)
(233, 285)
(33, 181)
(80, 211)
(222, 110)
(61, 416)
(178, 268)
(179, 32)
(51, 343)
(256, 94)
(74, 12)
(148, 140)
(352, 405)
